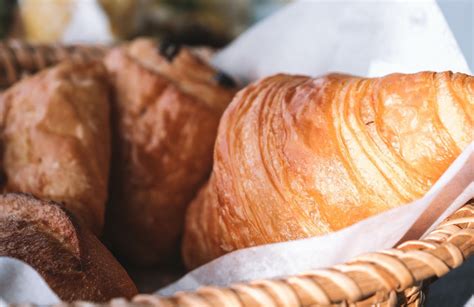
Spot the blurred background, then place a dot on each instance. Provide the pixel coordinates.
(195, 22)
(204, 22)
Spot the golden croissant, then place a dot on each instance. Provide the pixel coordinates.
(297, 157)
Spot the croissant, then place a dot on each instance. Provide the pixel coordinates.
(297, 157)
(166, 110)
(55, 138)
(65, 253)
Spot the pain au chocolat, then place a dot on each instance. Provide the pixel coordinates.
(167, 106)
(297, 157)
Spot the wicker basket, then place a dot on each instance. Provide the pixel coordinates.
(394, 277)
(18, 59)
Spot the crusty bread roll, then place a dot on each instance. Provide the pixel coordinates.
(297, 157)
(167, 107)
(65, 253)
(55, 138)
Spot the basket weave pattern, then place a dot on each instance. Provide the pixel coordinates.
(394, 277)
(18, 58)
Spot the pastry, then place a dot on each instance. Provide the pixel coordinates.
(297, 157)
(55, 138)
(66, 254)
(167, 105)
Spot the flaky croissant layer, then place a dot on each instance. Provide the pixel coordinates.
(297, 157)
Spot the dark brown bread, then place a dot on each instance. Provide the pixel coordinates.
(64, 252)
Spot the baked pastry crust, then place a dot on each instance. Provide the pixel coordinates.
(166, 112)
(65, 253)
(297, 157)
(55, 137)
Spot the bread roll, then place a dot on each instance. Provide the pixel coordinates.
(167, 107)
(297, 157)
(55, 138)
(65, 253)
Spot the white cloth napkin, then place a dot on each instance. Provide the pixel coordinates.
(20, 283)
(360, 37)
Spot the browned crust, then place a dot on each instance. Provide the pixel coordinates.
(72, 261)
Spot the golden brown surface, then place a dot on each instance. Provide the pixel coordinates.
(165, 115)
(297, 157)
(55, 138)
(67, 255)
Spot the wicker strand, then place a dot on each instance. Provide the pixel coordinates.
(18, 58)
(309, 291)
(280, 291)
(347, 285)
